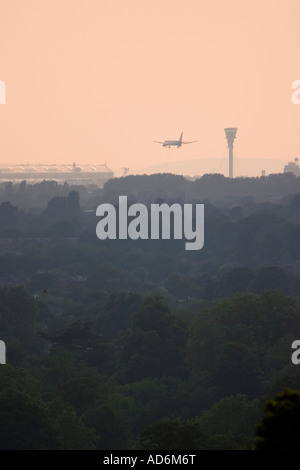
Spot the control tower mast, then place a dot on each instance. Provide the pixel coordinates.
(230, 136)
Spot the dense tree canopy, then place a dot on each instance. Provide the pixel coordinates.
(141, 344)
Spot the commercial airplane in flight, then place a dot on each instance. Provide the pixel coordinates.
(176, 143)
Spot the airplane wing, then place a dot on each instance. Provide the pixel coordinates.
(192, 142)
(156, 141)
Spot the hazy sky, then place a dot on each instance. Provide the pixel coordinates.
(98, 80)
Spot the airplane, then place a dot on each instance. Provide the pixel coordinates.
(177, 143)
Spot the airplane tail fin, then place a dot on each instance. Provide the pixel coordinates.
(180, 140)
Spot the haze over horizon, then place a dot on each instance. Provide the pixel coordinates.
(242, 167)
(90, 82)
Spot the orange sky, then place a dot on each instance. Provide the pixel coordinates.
(98, 80)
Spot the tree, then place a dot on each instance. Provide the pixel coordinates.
(117, 313)
(42, 281)
(112, 430)
(76, 337)
(293, 243)
(272, 249)
(72, 433)
(18, 315)
(156, 345)
(237, 370)
(57, 209)
(8, 215)
(73, 204)
(234, 281)
(25, 423)
(232, 416)
(295, 203)
(106, 278)
(245, 247)
(172, 434)
(279, 429)
(270, 277)
(82, 392)
(147, 401)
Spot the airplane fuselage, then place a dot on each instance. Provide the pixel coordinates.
(174, 143)
(168, 143)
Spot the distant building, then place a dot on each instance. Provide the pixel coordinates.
(292, 167)
(72, 174)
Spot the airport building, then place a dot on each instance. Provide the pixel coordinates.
(71, 174)
(293, 167)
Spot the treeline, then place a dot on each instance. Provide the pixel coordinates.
(34, 196)
(245, 249)
(140, 344)
(132, 372)
(216, 188)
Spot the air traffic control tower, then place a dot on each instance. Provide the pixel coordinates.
(230, 136)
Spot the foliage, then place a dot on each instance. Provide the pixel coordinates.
(122, 344)
(279, 429)
(173, 434)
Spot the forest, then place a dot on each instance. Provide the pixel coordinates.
(141, 344)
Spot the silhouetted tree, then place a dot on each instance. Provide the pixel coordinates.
(279, 429)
